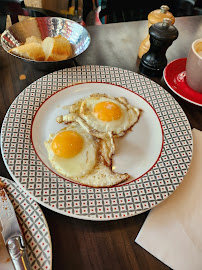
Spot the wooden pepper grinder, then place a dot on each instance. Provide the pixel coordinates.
(155, 16)
(162, 36)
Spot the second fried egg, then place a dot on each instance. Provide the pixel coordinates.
(72, 151)
(104, 113)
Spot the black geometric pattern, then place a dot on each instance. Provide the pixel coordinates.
(33, 225)
(96, 203)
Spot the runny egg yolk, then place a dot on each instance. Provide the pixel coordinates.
(107, 111)
(67, 144)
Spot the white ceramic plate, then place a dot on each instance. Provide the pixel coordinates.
(154, 181)
(136, 152)
(34, 227)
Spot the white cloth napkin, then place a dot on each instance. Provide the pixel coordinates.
(172, 231)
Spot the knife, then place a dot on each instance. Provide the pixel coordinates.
(12, 234)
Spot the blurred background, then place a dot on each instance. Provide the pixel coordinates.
(90, 12)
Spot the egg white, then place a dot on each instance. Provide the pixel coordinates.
(80, 164)
(102, 176)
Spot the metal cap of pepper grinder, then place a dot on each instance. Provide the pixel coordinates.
(164, 8)
(162, 35)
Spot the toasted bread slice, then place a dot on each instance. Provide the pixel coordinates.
(57, 48)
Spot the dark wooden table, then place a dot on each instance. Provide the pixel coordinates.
(79, 244)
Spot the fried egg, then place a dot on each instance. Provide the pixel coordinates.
(106, 114)
(72, 151)
(100, 173)
(106, 140)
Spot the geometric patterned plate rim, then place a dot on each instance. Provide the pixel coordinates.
(33, 224)
(84, 202)
(68, 97)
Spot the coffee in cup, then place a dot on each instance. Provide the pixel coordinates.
(194, 66)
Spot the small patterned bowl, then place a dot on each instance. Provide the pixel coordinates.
(43, 27)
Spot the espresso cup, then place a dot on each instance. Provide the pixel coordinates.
(194, 66)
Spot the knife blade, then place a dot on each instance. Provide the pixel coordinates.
(12, 233)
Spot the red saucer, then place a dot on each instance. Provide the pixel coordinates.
(175, 77)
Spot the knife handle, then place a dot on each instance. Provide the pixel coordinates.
(18, 253)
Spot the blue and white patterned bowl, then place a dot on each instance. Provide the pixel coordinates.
(43, 27)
